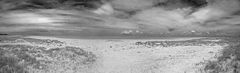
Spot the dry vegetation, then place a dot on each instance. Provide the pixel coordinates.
(32, 58)
(17, 58)
(229, 62)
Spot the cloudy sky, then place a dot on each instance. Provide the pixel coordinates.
(128, 18)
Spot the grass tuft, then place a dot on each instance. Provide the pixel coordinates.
(229, 62)
(10, 65)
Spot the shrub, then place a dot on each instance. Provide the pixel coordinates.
(10, 65)
(229, 62)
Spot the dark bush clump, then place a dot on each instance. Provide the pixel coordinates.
(10, 65)
(229, 62)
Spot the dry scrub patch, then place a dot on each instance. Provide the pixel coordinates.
(229, 62)
(28, 58)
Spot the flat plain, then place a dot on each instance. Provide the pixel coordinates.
(38, 54)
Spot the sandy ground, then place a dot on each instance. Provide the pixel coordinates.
(126, 56)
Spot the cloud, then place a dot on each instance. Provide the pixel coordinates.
(217, 9)
(27, 18)
(131, 5)
(212, 14)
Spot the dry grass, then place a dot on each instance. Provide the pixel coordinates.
(19, 58)
(33, 59)
(10, 64)
(229, 62)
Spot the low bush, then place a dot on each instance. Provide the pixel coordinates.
(10, 65)
(229, 62)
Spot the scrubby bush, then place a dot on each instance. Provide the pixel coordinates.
(10, 65)
(229, 62)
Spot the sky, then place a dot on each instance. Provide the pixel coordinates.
(129, 18)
